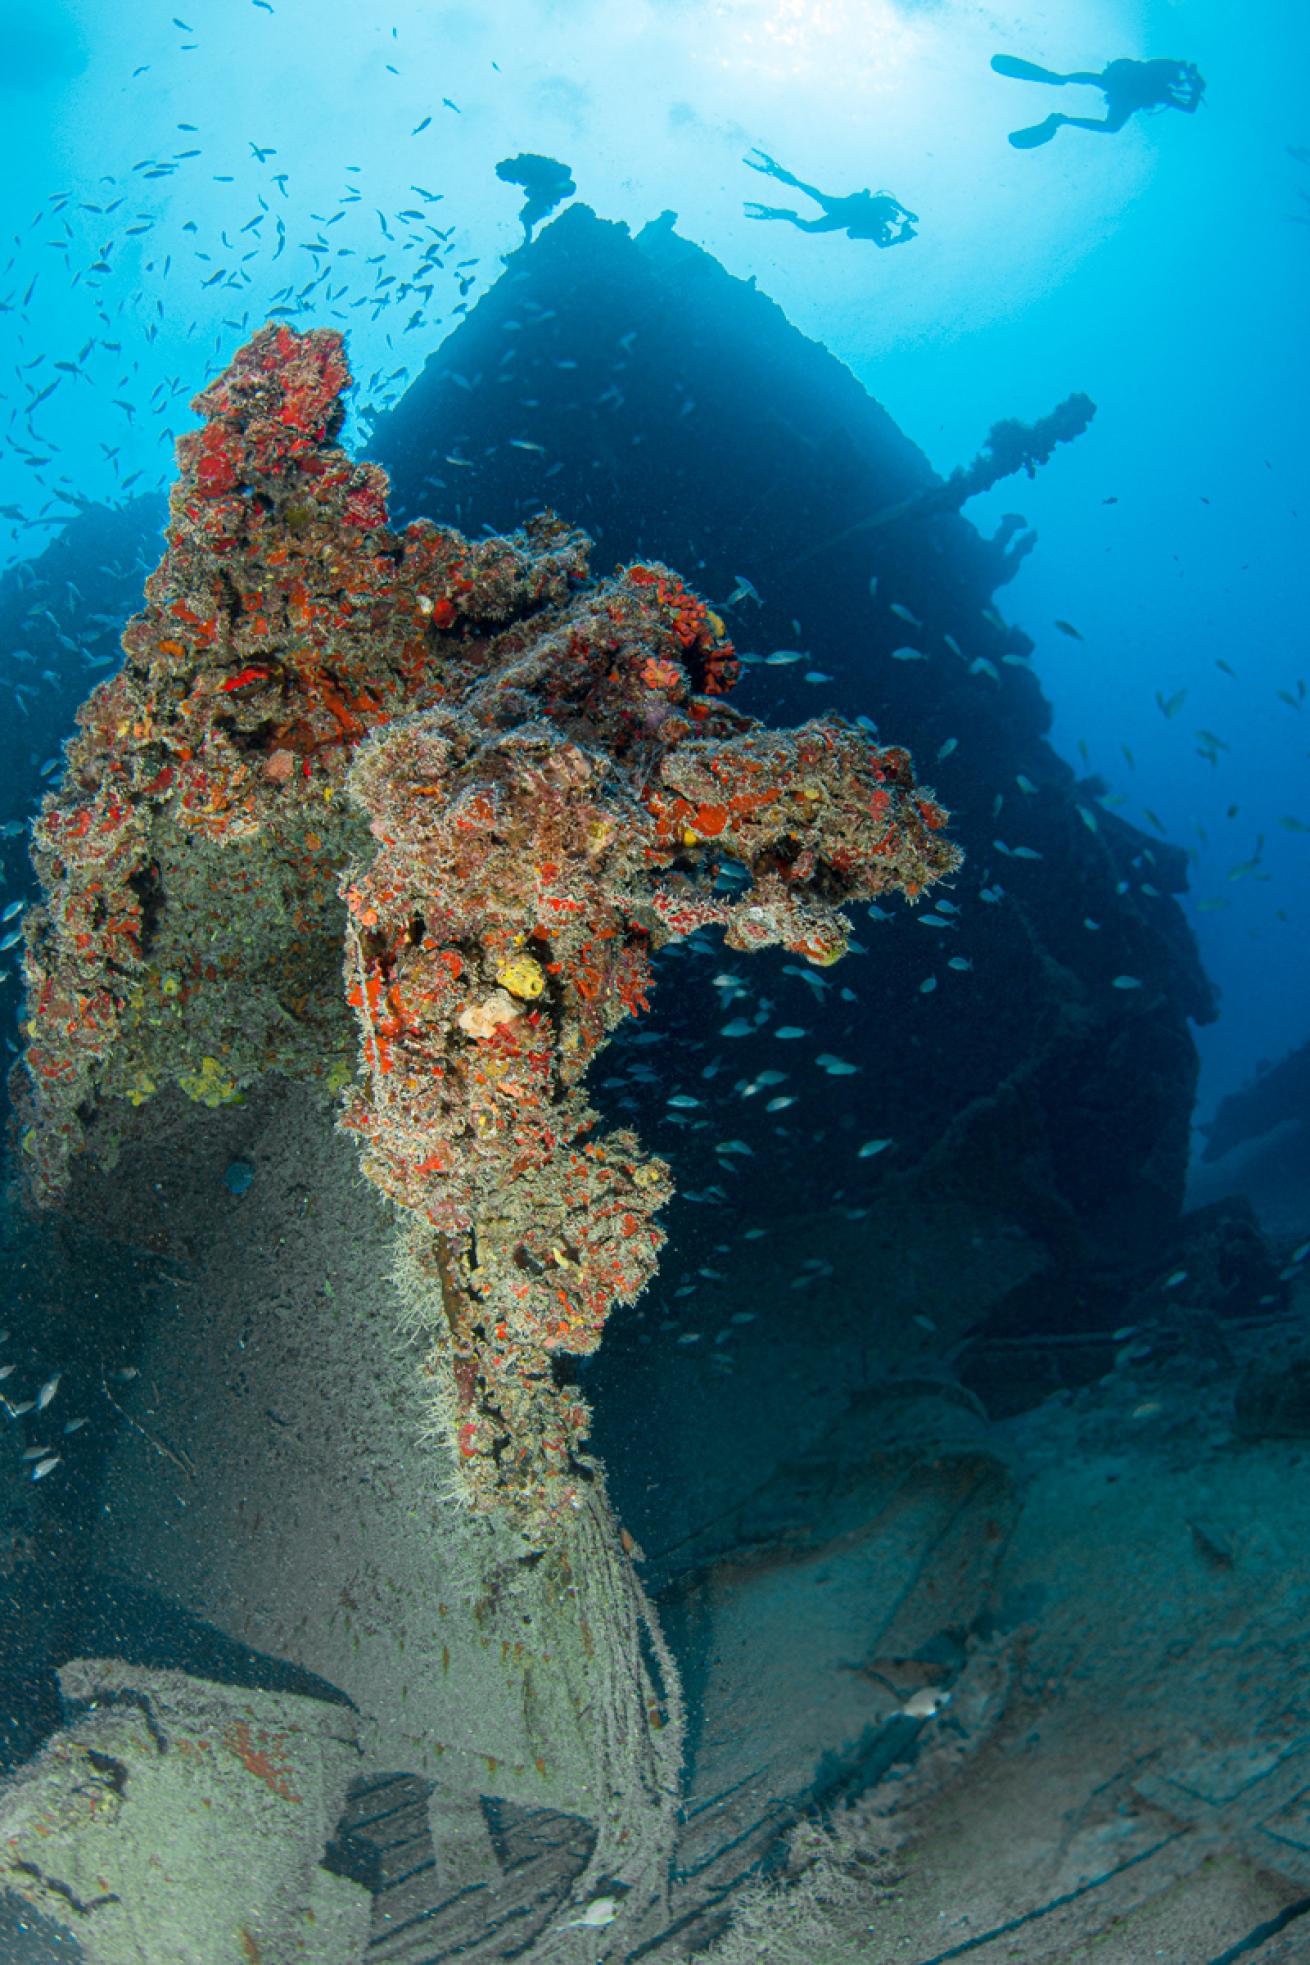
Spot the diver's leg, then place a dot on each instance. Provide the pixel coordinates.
(828, 223)
(1039, 133)
(1028, 71)
(770, 168)
(753, 210)
(1114, 120)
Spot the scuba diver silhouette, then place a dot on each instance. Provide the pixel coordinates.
(545, 184)
(873, 215)
(1126, 85)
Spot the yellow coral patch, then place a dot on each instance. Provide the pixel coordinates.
(522, 976)
(211, 1085)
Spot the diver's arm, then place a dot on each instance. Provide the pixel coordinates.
(1185, 89)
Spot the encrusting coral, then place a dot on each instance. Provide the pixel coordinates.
(553, 784)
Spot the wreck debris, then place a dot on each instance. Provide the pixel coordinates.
(504, 786)
(1011, 446)
(537, 844)
(190, 857)
(553, 783)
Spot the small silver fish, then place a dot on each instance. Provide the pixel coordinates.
(47, 1392)
(983, 667)
(782, 657)
(1172, 1282)
(46, 1466)
(927, 986)
(903, 613)
(682, 1101)
(960, 963)
(933, 921)
(779, 1104)
(951, 744)
(14, 907)
(1025, 853)
(790, 1030)
(872, 1146)
(1127, 982)
(924, 1703)
(604, 1910)
(908, 655)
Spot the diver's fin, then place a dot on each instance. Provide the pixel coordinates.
(1023, 71)
(1037, 134)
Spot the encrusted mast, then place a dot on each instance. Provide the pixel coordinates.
(554, 787)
